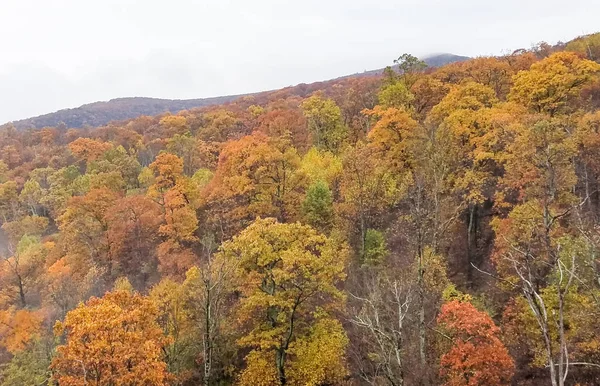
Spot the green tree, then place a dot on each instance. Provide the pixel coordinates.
(318, 206)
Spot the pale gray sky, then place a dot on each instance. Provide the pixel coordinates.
(63, 53)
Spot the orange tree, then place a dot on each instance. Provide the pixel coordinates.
(477, 356)
(113, 340)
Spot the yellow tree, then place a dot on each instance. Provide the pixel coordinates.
(179, 199)
(84, 233)
(534, 249)
(324, 122)
(551, 84)
(20, 271)
(288, 277)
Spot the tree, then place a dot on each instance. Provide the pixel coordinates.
(132, 234)
(20, 271)
(117, 162)
(586, 46)
(476, 356)
(410, 68)
(207, 289)
(175, 319)
(31, 195)
(428, 92)
(174, 125)
(492, 72)
(219, 125)
(318, 206)
(375, 247)
(381, 315)
(288, 280)
(324, 122)
(9, 201)
(256, 176)
(179, 200)
(280, 120)
(18, 328)
(29, 366)
(368, 187)
(552, 83)
(87, 149)
(318, 165)
(113, 340)
(188, 149)
(84, 231)
(395, 95)
(168, 169)
(535, 253)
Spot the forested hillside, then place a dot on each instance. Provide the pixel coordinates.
(421, 227)
(103, 113)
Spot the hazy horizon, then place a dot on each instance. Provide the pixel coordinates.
(70, 53)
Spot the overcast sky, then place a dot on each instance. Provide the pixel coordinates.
(56, 54)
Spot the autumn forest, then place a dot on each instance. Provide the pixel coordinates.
(424, 226)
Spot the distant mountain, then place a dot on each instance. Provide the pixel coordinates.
(439, 60)
(434, 60)
(100, 113)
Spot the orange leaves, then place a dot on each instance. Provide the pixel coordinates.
(466, 322)
(180, 218)
(112, 340)
(391, 134)
(88, 149)
(18, 328)
(256, 176)
(168, 168)
(278, 122)
(477, 357)
(178, 198)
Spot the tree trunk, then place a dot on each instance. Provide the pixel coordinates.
(207, 346)
(469, 244)
(280, 355)
(21, 292)
(422, 341)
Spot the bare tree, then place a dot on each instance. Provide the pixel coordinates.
(382, 312)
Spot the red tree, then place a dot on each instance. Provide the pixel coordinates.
(477, 356)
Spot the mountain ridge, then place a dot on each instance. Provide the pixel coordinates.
(117, 109)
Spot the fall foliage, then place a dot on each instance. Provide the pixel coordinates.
(423, 226)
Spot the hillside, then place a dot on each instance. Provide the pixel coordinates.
(439, 60)
(101, 113)
(425, 227)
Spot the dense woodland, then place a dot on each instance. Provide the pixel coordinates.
(102, 113)
(423, 227)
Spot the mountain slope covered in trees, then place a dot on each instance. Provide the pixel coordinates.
(423, 226)
(101, 113)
